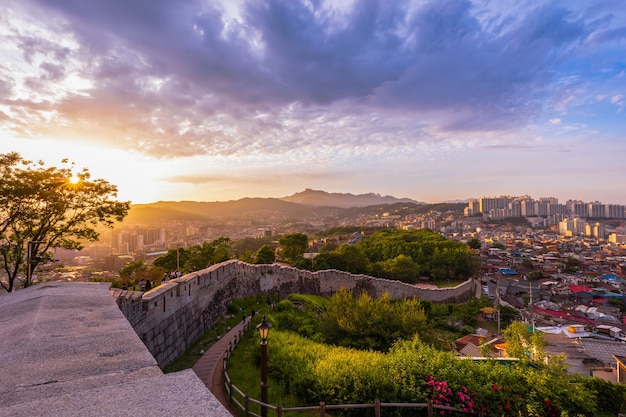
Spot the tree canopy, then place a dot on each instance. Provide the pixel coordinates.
(265, 255)
(42, 208)
(195, 258)
(404, 255)
(293, 246)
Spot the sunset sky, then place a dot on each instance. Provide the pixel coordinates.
(213, 101)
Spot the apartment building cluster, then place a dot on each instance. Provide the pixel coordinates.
(572, 218)
(525, 206)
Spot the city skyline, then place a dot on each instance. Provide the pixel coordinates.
(433, 101)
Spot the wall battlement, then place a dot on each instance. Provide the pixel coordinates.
(171, 317)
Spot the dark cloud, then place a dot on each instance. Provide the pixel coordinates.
(177, 78)
(496, 80)
(319, 59)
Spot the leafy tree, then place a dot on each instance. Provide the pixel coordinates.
(468, 312)
(508, 314)
(220, 250)
(474, 243)
(132, 268)
(402, 268)
(172, 259)
(527, 263)
(436, 256)
(251, 244)
(365, 322)
(135, 271)
(352, 259)
(195, 258)
(523, 343)
(293, 246)
(265, 255)
(246, 256)
(572, 264)
(329, 246)
(42, 208)
(345, 258)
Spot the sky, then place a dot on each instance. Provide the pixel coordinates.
(220, 100)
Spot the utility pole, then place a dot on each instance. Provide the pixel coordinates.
(532, 320)
(498, 303)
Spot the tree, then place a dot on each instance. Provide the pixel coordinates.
(195, 257)
(474, 243)
(434, 255)
(368, 323)
(527, 263)
(42, 208)
(172, 259)
(132, 269)
(265, 255)
(352, 259)
(402, 268)
(246, 256)
(508, 314)
(293, 246)
(523, 343)
(329, 246)
(346, 257)
(572, 264)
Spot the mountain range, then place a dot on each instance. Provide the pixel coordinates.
(319, 198)
(298, 205)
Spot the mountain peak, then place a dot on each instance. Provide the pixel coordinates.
(343, 200)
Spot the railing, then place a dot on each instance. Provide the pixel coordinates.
(244, 401)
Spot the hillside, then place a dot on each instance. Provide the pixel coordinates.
(193, 210)
(307, 204)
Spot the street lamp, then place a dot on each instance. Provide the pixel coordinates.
(264, 329)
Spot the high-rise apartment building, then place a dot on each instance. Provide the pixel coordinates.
(493, 203)
(614, 211)
(525, 206)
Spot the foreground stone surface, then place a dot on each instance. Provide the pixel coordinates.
(67, 350)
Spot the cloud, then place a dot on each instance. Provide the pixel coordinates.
(311, 79)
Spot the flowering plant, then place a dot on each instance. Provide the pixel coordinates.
(443, 394)
(505, 402)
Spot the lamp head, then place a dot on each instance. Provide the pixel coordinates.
(264, 329)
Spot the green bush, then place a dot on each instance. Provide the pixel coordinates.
(411, 370)
(414, 372)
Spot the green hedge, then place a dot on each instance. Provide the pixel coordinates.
(414, 372)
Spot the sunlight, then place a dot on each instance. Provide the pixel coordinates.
(75, 179)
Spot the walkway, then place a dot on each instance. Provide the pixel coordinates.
(67, 351)
(209, 367)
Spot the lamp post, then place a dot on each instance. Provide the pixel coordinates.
(264, 329)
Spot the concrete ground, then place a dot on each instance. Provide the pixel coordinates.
(67, 350)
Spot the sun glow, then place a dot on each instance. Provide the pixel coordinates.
(74, 179)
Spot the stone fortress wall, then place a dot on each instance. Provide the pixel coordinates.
(171, 317)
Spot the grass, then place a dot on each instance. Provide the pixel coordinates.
(189, 358)
(244, 371)
(192, 354)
